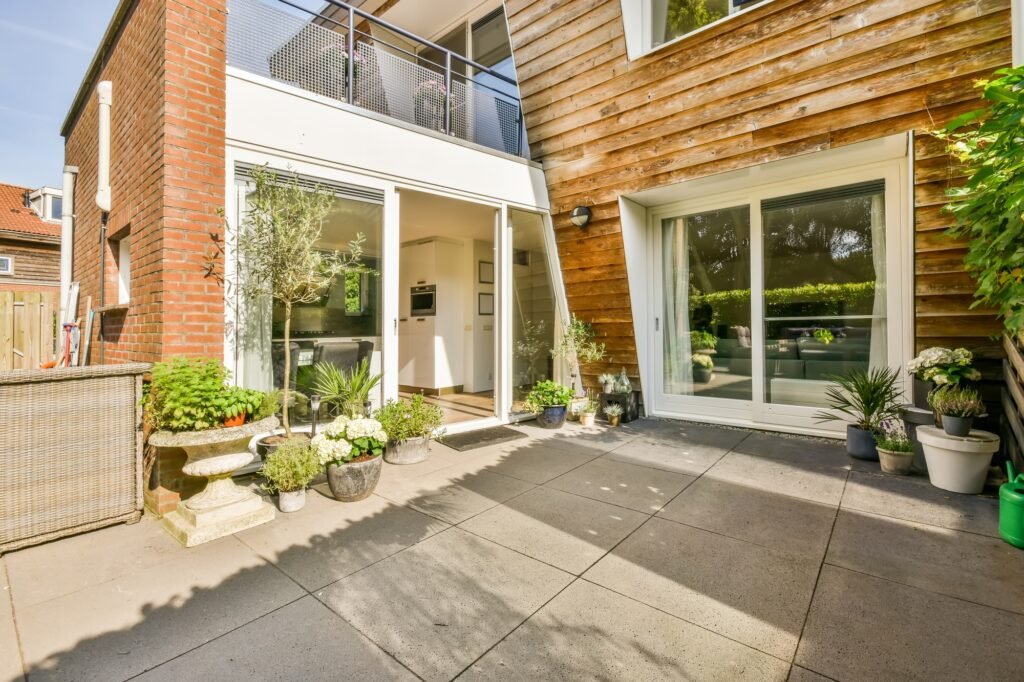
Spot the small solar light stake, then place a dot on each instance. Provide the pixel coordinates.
(580, 216)
(314, 404)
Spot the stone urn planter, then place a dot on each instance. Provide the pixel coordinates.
(223, 507)
(409, 451)
(860, 443)
(355, 480)
(959, 465)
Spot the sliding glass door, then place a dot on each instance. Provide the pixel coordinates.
(763, 297)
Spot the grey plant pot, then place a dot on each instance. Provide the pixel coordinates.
(291, 500)
(860, 443)
(913, 417)
(409, 451)
(702, 375)
(957, 426)
(353, 481)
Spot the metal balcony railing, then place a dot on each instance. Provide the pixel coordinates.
(452, 94)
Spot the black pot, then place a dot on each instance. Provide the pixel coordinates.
(860, 443)
(913, 417)
(921, 389)
(552, 416)
(957, 426)
(701, 375)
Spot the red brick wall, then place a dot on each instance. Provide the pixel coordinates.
(167, 182)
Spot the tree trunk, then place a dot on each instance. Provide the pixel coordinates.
(287, 369)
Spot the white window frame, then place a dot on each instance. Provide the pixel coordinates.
(124, 270)
(899, 292)
(637, 24)
(9, 270)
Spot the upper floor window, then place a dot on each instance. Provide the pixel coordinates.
(652, 23)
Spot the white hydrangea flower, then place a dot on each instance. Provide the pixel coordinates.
(337, 427)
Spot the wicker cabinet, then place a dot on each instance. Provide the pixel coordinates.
(70, 451)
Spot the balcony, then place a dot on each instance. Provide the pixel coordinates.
(346, 57)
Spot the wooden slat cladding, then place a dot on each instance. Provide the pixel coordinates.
(787, 78)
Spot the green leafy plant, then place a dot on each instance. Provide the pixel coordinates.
(958, 401)
(588, 407)
(237, 401)
(548, 393)
(268, 407)
(866, 397)
(348, 390)
(186, 394)
(702, 361)
(291, 466)
(701, 340)
(823, 336)
(578, 345)
(413, 418)
(280, 253)
(613, 410)
(988, 208)
(892, 436)
(344, 440)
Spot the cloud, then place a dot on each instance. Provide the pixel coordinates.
(46, 36)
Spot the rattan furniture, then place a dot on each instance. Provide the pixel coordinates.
(70, 451)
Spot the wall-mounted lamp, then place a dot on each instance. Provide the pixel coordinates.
(580, 216)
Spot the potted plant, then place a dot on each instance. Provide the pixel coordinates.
(703, 342)
(823, 336)
(937, 367)
(550, 400)
(346, 391)
(238, 403)
(703, 367)
(280, 255)
(895, 450)
(288, 470)
(578, 345)
(957, 464)
(588, 412)
(867, 398)
(607, 382)
(410, 424)
(613, 412)
(351, 451)
(958, 407)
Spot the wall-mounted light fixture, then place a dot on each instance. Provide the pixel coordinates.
(580, 216)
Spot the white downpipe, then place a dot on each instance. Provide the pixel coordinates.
(1017, 28)
(105, 94)
(67, 238)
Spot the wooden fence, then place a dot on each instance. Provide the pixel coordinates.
(1013, 402)
(28, 331)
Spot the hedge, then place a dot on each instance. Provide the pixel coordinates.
(810, 300)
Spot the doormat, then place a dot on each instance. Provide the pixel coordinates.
(481, 438)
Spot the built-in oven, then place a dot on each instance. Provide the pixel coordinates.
(423, 301)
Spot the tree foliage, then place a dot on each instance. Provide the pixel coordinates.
(989, 142)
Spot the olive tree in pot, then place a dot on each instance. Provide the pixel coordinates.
(410, 424)
(351, 451)
(578, 346)
(867, 398)
(550, 400)
(288, 470)
(280, 256)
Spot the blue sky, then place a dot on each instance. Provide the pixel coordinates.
(45, 48)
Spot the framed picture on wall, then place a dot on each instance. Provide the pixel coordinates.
(485, 304)
(486, 271)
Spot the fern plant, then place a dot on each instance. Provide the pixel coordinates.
(867, 398)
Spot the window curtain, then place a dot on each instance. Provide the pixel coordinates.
(879, 325)
(675, 266)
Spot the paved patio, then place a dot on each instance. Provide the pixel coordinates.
(662, 550)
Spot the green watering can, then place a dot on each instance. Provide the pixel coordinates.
(1011, 508)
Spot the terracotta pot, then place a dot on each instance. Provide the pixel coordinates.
(900, 463)
(409, 451)
(353, 481)
(235, 421)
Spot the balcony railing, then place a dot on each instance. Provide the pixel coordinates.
(450, 94)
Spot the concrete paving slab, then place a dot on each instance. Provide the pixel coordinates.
(453, 497)
(754, 595)
(439, 605)
(123, 627)
(10, 653)
(756, 515)
(57, 568)
(595, 440)
(974, 567)
(824, 486)
(561, 529)
(590, 633)
(535, 463)
(865, 628)
(301, 641)
(691, 452)
(814, 453)
(798, 674)
(328, 540)
(635, 487)
(917, 500)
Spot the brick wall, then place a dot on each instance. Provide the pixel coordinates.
(167, 66)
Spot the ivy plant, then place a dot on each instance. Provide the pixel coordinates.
(988, 208)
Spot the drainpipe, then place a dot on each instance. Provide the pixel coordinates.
(105, 95)
(67, 239)
(1017, 31)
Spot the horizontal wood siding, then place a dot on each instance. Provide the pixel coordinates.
(33, 263)
(788, 78)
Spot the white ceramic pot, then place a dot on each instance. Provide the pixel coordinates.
(959, 465)
(291, 501)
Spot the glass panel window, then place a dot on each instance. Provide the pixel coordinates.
(706, 338)
(824, 289)
(670, 19)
